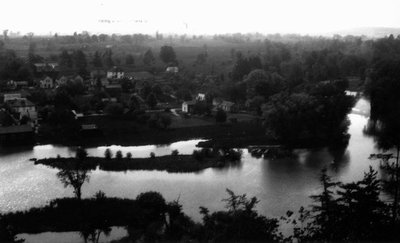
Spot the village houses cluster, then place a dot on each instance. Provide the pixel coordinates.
(20, 117)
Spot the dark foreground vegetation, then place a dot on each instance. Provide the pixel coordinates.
(341, 212)
(199, 160)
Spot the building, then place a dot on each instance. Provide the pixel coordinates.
(19, 134)
(188, 106)
(201, 97)
(90, 130)
(115, 73)
(140, 76)
(225, 105)
(12, 96)
(61, 81)
(228, 106)
(46, 69)
(14, 85)
(23, 107)
(172, 70)
(47, 83)
(114, 90)
(22, 84)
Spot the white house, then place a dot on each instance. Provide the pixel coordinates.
(47, 83)
(13, 96)
(201, 97)
(225, 105)
(187, 106)
(172, 69)
(115, 73)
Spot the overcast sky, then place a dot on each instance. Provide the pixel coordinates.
(197, 16)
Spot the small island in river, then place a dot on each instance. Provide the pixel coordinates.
(199, 160)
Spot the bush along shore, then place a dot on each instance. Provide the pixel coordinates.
(199, 160)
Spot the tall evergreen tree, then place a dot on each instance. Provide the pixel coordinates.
(97, 62)
(148, 57)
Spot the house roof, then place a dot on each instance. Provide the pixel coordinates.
(191, 102)
(16, 129)
(113, 86)
(140, 75)
(115, 69)
(46, 67)
(88, 126)
(21, 102)
(227, 103)
(172, 69)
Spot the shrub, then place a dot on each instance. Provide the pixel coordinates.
(118, 155)
(114, 109)
(100, 195)
(197, 155)
(81, 153)
(220, 116)
(152, 155)
(175, 152)
(108, 154)
(165, 120)
(129, 155)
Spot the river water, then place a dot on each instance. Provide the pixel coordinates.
(280, 185)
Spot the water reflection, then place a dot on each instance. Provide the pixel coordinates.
(116, 233)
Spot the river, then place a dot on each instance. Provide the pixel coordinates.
(280, 185)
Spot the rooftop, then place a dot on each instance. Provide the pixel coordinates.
(16, 129)
(191, 102)
(20, 102)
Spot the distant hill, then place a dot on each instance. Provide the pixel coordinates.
(373, 32)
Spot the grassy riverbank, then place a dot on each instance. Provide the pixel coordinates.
(170, 163)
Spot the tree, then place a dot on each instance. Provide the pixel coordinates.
(167, 54)
(80, 62)
(240, 68)
(107, 56)
(118, 155)
(65, 59)
(184, 94)
(240, 222)
(114, 109)
(134, 103)
(129, 59)
(97, 62)
(76, 175)
(384, 124)
(148, 58)
(126, 84)
(32, 57)
(165, 120)
(259, 83)
(5, 34)
(151, 100)
(346, 212)
(220, 116)
(108, 154)
(201, 58)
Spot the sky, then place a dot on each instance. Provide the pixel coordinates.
(196, 16)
